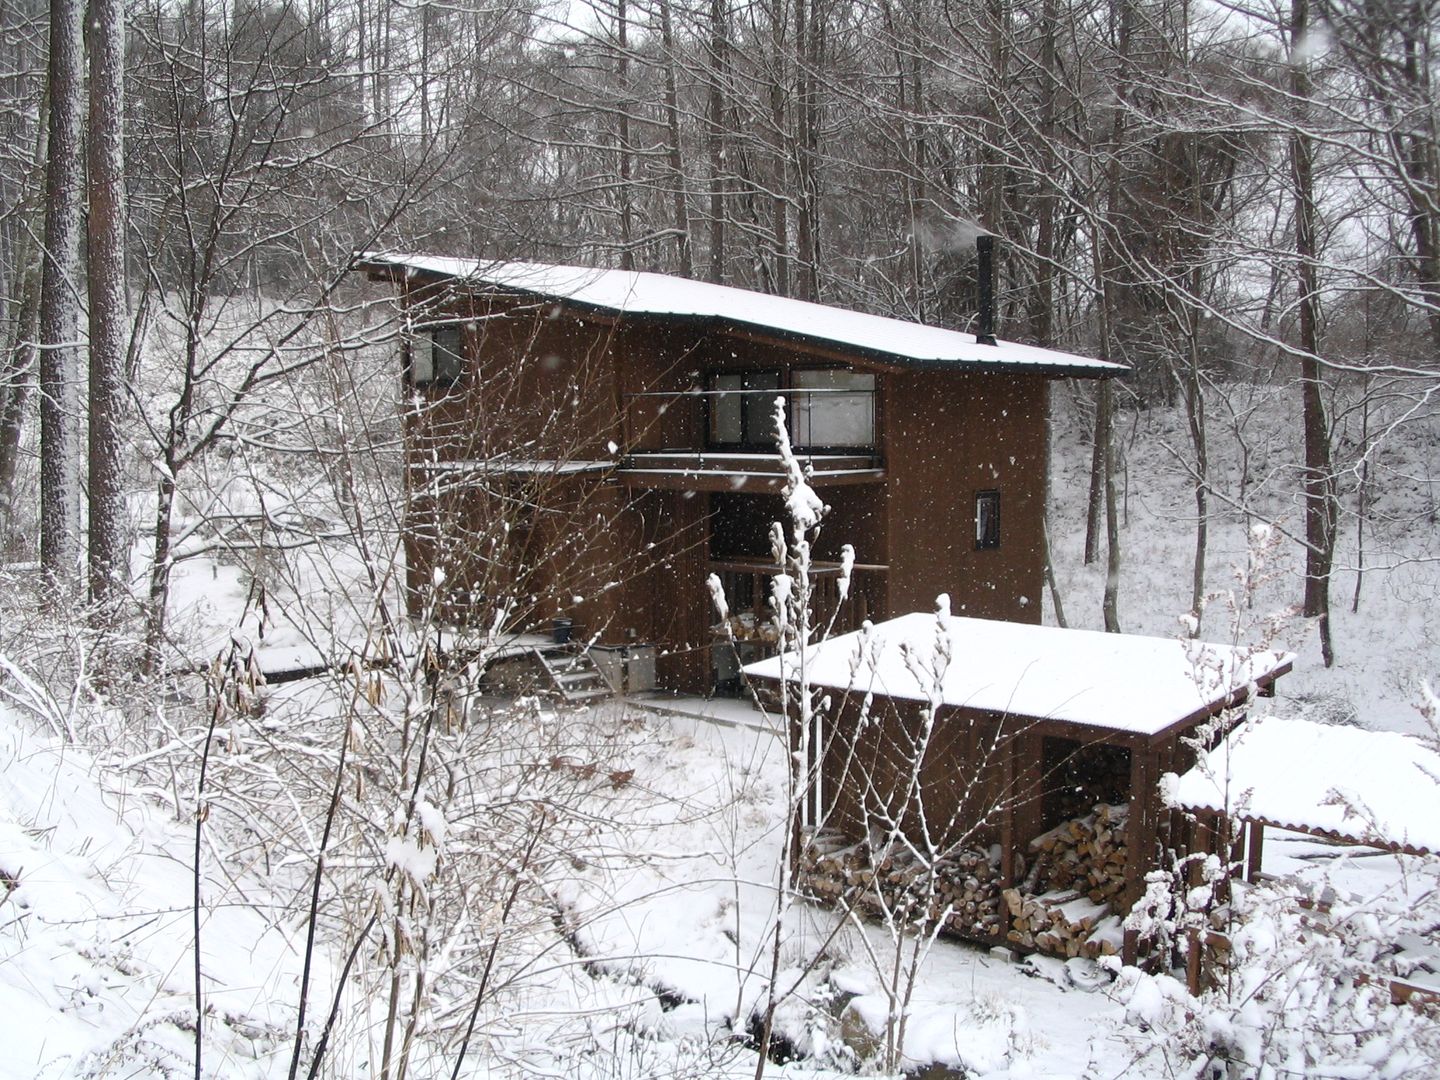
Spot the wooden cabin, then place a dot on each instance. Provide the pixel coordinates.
(1018, 763)
(591, 445)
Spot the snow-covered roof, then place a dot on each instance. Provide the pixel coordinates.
(665, 296)
(1116, 682)
(1370, 786)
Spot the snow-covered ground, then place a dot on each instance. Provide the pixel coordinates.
(97, 972)
(654, 966)
(644, 849)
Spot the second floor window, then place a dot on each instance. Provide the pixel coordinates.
(832, 407)
(742, 409)
(826, 408)
(435, 356)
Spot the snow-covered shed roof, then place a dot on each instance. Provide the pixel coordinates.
(664, 296)
(1374, 787)
(1122, 683)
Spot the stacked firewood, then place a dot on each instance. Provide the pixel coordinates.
(963, 888)
(1069, 903)
(1063, 923)
(1086, 854)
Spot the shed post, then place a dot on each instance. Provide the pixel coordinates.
(1254, 850)
(1007, 817)
(1140, 827)
(1023, 779)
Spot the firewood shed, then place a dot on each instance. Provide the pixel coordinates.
(1032, 796)
(1378, 789)
(1343, 785)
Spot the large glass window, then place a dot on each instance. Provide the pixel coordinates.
(742, 409)
(832, 407)
(435, 357)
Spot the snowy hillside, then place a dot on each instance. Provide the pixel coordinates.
(499, 887)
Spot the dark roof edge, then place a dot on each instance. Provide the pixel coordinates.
(879, 357)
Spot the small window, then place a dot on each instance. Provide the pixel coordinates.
(987, 520)
(435, 357)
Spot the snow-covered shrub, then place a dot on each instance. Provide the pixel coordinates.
(1306, 992)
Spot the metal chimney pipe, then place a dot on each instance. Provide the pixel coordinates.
(985, 287)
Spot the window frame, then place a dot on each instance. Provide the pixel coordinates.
(750, 441)
(987, 520)
(428, 338)
(792, 392)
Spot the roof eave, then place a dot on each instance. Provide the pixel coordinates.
(380, 268)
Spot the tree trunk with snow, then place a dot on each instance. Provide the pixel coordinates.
(674, 152)
(715, 135)
(60, 304)
(17, 375)
(108, 534)
(1319, 480)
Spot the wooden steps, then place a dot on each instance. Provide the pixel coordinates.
(572, 672)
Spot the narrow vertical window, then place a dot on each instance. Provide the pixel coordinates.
(987, 520)
(435, 356)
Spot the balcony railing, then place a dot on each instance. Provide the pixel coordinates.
(725, 439)
(820, 420)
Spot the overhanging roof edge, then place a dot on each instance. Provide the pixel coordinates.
(1085, 368)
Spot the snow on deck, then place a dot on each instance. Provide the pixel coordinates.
(625, 291)
(1119, 682)
(1369, 786)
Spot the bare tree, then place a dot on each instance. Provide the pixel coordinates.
(109, 535)
(1319, 480)
(60, 302)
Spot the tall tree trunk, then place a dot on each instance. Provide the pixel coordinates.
(1195, 417)
(1319, 479)
(1095, 498)
(715, 137)
(808, 47)
(1104, 260)
(21, 353)
(1193, 395)
(622, 138)
(779, 155)
(1110, 604)
(19, 383)
(108, 534)
(59, 303)
(1042, 297)
(674, 151)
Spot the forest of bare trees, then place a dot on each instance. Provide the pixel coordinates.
(1209, 193)
(1240, 200)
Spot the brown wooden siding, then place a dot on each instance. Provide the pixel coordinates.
(949, 437)
(548, 383)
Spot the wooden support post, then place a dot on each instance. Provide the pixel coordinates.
(1254, 851)
(1007, 815)
(1140, 827)
(1028, 749)
(1203, 843)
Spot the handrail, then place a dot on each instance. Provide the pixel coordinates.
(777, 391)
(817, 566)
